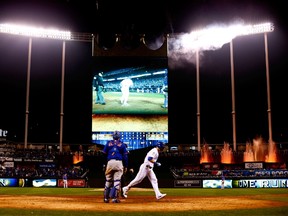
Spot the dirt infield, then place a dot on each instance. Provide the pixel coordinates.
(136, 203)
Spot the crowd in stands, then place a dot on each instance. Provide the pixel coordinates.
(143, 85)
(176, 162)
(228, 174)
(40, 163)
(24, 171)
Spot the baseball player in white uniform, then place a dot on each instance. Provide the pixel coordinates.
(146, 169)
(125, 85)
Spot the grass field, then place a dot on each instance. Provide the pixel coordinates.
(139, 103)
(179, 201)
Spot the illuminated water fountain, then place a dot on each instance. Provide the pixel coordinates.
(227, 154)
(249, 153)
(272, 155)
(206, 154)
(260, 151)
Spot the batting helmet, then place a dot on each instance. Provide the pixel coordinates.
(160, 145)
(116, 135)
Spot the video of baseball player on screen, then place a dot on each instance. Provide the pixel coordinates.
(130, 94)
(130, 87)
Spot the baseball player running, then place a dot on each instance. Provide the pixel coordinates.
(146, 169)
(125, 86)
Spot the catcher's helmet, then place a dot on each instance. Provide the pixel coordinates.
(160, 145)
(116, 135)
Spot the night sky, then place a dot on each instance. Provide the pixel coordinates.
(108, 17)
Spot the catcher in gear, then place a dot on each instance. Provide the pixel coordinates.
(117, 162)
(146, 170)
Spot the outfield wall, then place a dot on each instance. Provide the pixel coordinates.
(167, 183)
(41, 182)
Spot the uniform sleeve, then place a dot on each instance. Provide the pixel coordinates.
(151, 155)
(105, 149)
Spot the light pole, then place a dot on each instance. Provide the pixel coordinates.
(213, 38)
(42, 33)
(62, 97)
(27, 92)
(249, 30)
(198, 100)
(268, 88)
(233, 96)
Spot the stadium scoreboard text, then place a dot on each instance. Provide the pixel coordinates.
(261, 183)
(187, 183)
(229, 183)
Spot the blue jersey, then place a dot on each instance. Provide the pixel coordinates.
(115, 149)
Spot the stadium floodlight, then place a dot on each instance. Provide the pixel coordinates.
(214, 37)
(258, 28)
(32, 32)
(35, 32)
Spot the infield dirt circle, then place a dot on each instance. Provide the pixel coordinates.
(135, 203)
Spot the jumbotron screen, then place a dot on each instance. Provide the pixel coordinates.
(130, 94)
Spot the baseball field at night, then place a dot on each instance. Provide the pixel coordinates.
(142, 201)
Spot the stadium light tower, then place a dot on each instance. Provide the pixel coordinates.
(249, 30)
(214, 37)
(40, 33)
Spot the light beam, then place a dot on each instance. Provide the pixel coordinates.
(35, 32)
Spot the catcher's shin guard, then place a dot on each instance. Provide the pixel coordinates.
(113, 193)
(106, 194)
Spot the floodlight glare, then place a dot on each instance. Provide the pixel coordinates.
(213, 37)
(257, 29)
(35, 32)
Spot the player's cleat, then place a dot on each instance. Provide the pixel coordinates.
(161, 196)
(125, 191)
(115, 201)
(106, 200)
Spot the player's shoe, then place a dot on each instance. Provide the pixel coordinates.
(115, 200)
(161, 196)
(125, 191)
(106, 200)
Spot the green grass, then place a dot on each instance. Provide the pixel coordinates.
(262, 194)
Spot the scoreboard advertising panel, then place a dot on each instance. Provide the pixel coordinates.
(49, 182)
(247, 183)
(260, 183)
